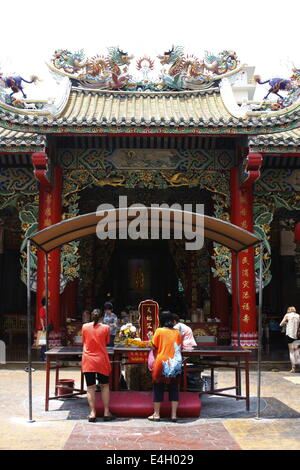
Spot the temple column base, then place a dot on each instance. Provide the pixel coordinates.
(247, 340)
(55, 340)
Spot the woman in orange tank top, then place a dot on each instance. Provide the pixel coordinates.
(167, 367)
(95, 363)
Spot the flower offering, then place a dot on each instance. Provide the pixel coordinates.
(127, 331)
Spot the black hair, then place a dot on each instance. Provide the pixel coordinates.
(166, 320)
(43, 301)
(96, 315)
(176, 317)
(108, 306)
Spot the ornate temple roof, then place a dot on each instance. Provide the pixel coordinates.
(183, 108)
(211, 111)
(20, 141)
(289, 140)
(190, 96)
(92, 111)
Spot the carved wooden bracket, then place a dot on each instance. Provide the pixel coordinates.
(42, 168)
(251, 171)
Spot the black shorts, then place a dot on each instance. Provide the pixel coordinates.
(90, 378)
(289, 340)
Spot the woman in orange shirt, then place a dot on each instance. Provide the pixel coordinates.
(167, 365)
(95, 363)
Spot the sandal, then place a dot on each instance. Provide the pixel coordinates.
(92, 420)
(174, 420)
(152, 418)
(109, 418)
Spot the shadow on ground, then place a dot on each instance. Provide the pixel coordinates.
(275, 409)
(213, 408)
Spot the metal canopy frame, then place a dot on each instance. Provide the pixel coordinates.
(220, 231)
(217, 230)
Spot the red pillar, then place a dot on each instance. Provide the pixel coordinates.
(49, 214)
(242, 215)
(54, 260)
(41, 290)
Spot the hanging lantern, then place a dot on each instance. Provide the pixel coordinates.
(297, 232)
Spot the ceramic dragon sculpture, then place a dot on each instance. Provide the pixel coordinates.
(180, 71)
(188, 72)
(225, 61)
(69, 62)
(99, 71)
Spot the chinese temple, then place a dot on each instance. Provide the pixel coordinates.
(169, 129)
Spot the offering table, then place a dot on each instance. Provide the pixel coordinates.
(134, 355)
(66, 352)
(241, 362)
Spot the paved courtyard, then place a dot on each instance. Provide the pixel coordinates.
(223, 424)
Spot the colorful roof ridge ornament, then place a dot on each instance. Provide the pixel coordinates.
(15, 84)
(188, 72)
(101, 72)
(290, 85)
(111, 72)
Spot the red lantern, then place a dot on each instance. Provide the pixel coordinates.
(297, 232)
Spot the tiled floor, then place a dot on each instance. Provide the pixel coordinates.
(224, 422)
(209, 436)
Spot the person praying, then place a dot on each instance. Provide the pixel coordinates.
(95, 363)
(167, 366)
(124, 316)
(111, 320)
(188, 340)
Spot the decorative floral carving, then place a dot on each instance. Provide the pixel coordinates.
(70, 265)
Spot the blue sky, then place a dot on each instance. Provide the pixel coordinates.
(261, 33)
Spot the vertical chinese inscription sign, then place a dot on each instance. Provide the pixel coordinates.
(148, 310)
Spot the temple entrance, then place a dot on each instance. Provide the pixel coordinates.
(126, 272)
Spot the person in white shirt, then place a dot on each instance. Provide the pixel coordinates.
(188, 340)
(291, 321)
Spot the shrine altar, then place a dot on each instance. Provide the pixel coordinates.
(117, 354)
